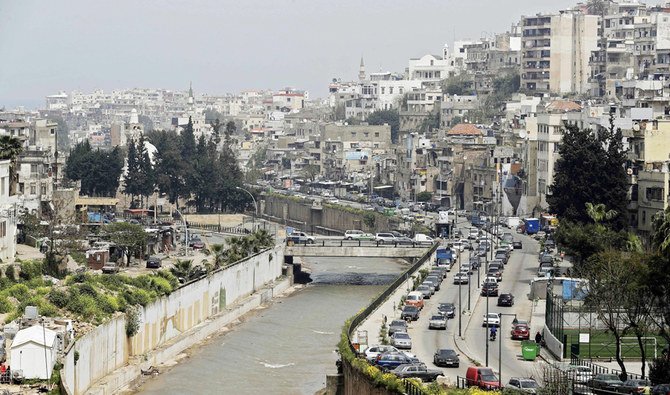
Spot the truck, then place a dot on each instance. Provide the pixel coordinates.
(532, 225)
(512, 222)
(442, 225)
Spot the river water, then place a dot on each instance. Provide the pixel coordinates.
(289, 347)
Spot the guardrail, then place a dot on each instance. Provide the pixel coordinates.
(353, 243)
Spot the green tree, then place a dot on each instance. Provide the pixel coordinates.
(147, 179)
(170, 170)
(10, 148)
(578, 178)
(424, 196)
(99, 171)
(389, 117)
(130, 181)
(311, 172)
(130, 237)
(459, 84)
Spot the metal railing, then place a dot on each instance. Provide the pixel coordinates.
(354, 243)
(599, 369)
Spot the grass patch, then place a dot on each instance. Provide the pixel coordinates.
(602, 345)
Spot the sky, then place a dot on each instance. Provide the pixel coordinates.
(227, 46)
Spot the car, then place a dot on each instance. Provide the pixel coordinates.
(502, 256)
(447, 309)
(465, 268)
(416, 370)
(425, 291)
(446, 357)
(481, 251)
(409, 313)
(490, 289)
(373, 351)
(490, 280)
(635, 386)
(461, 278)
(475, 262)
(473, 234)
(481, 377)
(438, 272)
(434, 280)
(522, 385)
(391, 360)
(579, 374)
(415, 299)
(385, 238)
(445, 263)
(110, 268)
(154, 262)
(495, 273)
(437, 321)
(498, 265)
(661, 389)
(506, 299)
(301, 238)
(546, 258)
(520, 332)
(397, 326)
(491, 319)
(358, 235)
(401, 340)
(517, 244)
(604, 381)
(196, 243)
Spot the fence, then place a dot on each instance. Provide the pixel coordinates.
(599, 369)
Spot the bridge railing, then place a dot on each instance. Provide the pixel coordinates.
(353, 243)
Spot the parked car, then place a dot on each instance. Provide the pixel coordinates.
(608, 382)
(409, 313)
(520, 332)
(358, 235)
(483, 378)
(415, 298)
(416, 370)
(446, 357)
(397, 326)
(437, 321)
(522, 385)
(154, 262)
(447, 309)
(473, 234)
(401, 340)
(391, 360)
(661, 389)
(372, 352)
(635, 386)
(434, 280)
(491, 319)
(517, 244)
(579, 374)
(110, 268)
(502, 255)
(489, 289)
(506, 299)
(425, 290)
(196, 243)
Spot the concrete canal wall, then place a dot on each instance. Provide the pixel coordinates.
(105, 360)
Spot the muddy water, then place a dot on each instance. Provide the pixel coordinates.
(287, 348)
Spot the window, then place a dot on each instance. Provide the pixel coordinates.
(390, 90)
(2, 186)
(33, 189)
(3, 229)
(654, 193)
(366, 134)
(376, 134)
(644, 217)
(353, 134)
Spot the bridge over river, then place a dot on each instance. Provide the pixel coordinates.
(356, 248)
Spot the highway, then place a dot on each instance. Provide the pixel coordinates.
(520, 269)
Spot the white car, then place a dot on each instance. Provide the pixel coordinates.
(461, 278)
(474, 233)
(374, 350)
(580, 374)
(491, 319)
(358, 235)
(437, 321)
(401, 340)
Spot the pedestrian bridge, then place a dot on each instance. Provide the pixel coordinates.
(356, 249)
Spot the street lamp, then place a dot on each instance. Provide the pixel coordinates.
(460, 308)
(486, 331)
(255, 205)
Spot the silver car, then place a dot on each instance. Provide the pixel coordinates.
(401, 340)
(437, 321)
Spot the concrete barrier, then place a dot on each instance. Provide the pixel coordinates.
(105, 360)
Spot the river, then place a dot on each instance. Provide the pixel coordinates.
(289, 347)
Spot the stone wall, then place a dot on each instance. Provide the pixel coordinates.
(107, 349)
(356, 383)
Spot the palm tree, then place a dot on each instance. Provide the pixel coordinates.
(661, 234)
(599, 213)
(218, 251)
(10, 148)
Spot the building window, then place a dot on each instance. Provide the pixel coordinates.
(353, 134)
(654, 193)
(33, 189)
(644, 217)
(366, 134)
(3, 229)
(376, 134)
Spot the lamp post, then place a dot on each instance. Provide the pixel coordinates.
(486, 330)
(255, 205)
(460, 309)
(185, 230)
(500, 349)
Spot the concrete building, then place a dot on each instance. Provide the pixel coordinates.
(8, 215)
(29, 349)
(556, 50)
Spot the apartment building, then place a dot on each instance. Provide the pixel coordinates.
(8, 216)
(555, 52)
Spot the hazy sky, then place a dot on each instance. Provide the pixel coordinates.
(227, 46)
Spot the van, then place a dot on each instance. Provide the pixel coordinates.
(483, 378)
(423, 239)
(414, 298)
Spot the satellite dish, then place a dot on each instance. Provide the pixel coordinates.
(522, 134)
(636, 127)
(629, 171)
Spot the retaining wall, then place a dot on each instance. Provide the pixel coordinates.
(107, 349)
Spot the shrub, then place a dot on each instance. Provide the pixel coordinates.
(19, 291)
(31, 269)
(132, 321)
(107, 303)
(87, 289)
(659, 370)
(78, 278)
(174, 282)
(161, 285)
(5, 305)
(10, 272)
(137, 297)
(58, 297)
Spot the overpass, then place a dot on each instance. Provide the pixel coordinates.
(357, 249)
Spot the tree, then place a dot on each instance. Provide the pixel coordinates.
(578, 178)
(10, 148)
(457, 85)
(424, 196)
(130, 181)
(661, 236)
(170, 169)
(130, 237)
(311, 171)
(389, 117)
(99, 171)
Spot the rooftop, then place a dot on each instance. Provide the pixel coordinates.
(464, 129)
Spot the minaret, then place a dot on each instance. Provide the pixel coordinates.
(190, 93)
(361, 71)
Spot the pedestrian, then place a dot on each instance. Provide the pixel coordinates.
(538, 338)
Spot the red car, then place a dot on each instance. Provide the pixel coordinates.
(520, 332)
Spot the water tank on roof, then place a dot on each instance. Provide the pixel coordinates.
(31, 312)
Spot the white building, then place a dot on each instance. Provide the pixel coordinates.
(29, 349)
(7, 216)
(430, 68)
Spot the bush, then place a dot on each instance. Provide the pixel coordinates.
(19, 291)
(174, 282)
(107, 303)
(58, 297)
(659, 370)
(137, 297)
(132, 321)
(87, 289)
(161, 285)
(31, 269)
(5, 305)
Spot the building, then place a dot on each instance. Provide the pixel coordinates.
(555, 52)
(8, 216)
(33, 351)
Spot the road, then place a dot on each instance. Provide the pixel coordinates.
(520, 269)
